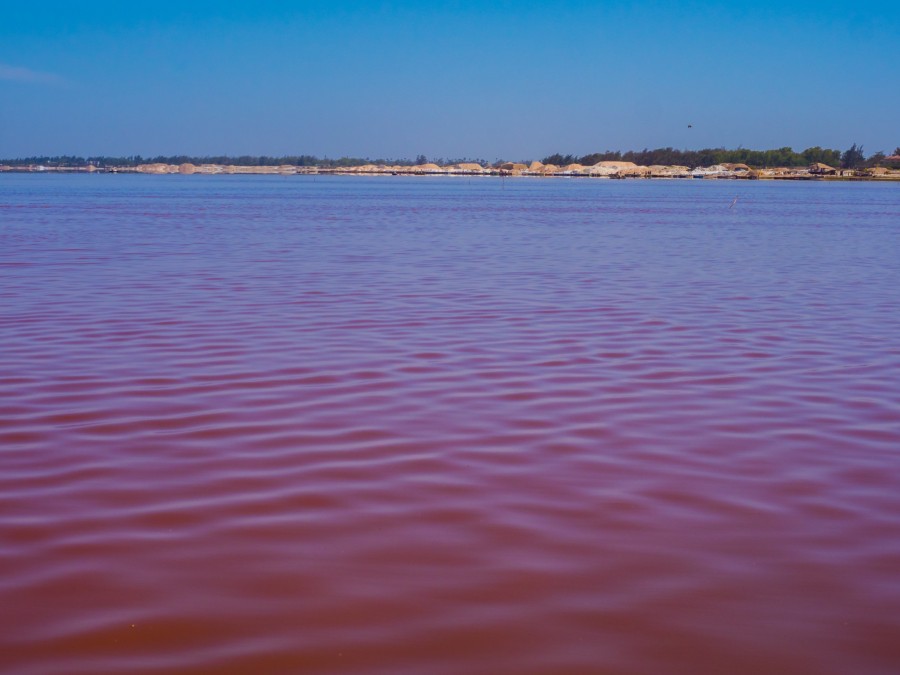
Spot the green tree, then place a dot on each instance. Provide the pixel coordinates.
(560, 160)
(816, 154)
(853, 157)
(876, 160)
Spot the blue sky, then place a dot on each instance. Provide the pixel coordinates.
(513, 80)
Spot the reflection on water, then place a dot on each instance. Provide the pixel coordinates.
(426, 425)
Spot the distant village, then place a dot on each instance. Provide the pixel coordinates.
(604, 169)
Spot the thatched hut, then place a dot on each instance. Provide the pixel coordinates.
(819, 169)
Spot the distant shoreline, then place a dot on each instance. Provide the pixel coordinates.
(606, 170)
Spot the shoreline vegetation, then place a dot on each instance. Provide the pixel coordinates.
(785, 164)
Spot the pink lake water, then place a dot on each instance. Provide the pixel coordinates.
(423, 425)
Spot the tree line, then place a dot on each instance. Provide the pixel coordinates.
(852, 158)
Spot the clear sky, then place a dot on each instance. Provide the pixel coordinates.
(512, 80)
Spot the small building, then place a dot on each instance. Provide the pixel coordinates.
(819, 169)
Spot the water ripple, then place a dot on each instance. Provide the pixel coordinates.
(406, 426)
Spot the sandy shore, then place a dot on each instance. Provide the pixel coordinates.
(614, 170)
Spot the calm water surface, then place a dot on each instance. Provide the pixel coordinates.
(404, 426)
